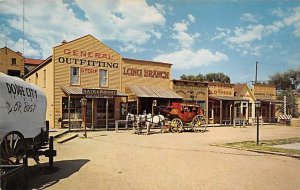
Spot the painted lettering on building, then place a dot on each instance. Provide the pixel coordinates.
(88, 58)
(146, 73)
(89, 70)
(88, 54)
(220, 89)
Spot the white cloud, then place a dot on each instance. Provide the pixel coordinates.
(131, 48)
(191, 18)
(243, 39)
(180, 26)
(186, 58)
(249, 17)
(278, 12)
(184, 39)
(106, 20)
(294, 20)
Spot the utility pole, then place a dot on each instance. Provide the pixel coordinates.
(256, 72)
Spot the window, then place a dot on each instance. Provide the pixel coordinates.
(44, 79)
(74, 75)
(13, 61)
(75, 108)
(103, 78)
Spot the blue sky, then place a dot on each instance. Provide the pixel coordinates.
(202, 36)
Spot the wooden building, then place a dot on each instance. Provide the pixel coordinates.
(11, 62)
(193, 93)
(266, 94)
(224, 107)
(147, 84)
(243, 91)
(85, 67)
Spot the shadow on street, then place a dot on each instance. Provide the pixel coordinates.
(40, 177)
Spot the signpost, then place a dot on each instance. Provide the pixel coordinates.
(257, 106)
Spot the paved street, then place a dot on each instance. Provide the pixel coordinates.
(110, 160)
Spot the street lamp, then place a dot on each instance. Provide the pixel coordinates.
(83, 102)
(257, 106)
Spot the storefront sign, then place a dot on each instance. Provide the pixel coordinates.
(264, 92)
(88, 58)
(146, 73)
(99, 93)
(191, 92)
(89, 70)
(220, 89)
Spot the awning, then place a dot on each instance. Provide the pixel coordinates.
(75, 90)
(143, 91)
(228, 98)
(271, 101)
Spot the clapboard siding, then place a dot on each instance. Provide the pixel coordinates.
(87, 80)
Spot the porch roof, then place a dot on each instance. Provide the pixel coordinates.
(228, 98)
(143, 91)
(271, 101)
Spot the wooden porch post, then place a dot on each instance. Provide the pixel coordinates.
(106, 115)
(69, 105)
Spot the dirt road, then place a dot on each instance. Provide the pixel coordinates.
(110, 160)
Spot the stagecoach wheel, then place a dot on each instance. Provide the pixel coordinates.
(176, 125)
(13, 149)
(13, 153)
(199, 123)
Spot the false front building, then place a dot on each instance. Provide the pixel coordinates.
(85, 67)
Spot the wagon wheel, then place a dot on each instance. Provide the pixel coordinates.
(176, 125)
(198, 123)
(13, 153)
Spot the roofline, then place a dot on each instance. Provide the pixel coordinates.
(130, 59)
(45, 62)
(84, 37)
(190, 81)
(221, 83)
(13, 51)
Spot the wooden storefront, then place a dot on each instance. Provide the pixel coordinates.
(224, 107)
(266, 94)
(147, 84)
(194, 93)
(84, 63)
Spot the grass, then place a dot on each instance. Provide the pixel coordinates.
(266, 145)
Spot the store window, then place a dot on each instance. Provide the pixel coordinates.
(103, 79)
(75, 108)
(13, 61)
(101, 108)
(75, 75)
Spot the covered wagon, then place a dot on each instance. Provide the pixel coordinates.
(24, 132)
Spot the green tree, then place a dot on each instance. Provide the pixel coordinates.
(217, 77)
(210, 77)
(288, 82)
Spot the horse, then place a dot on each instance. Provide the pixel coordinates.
(156, 120)
(134, 120)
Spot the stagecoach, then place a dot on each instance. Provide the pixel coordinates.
(24, 132)
(185, 117)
